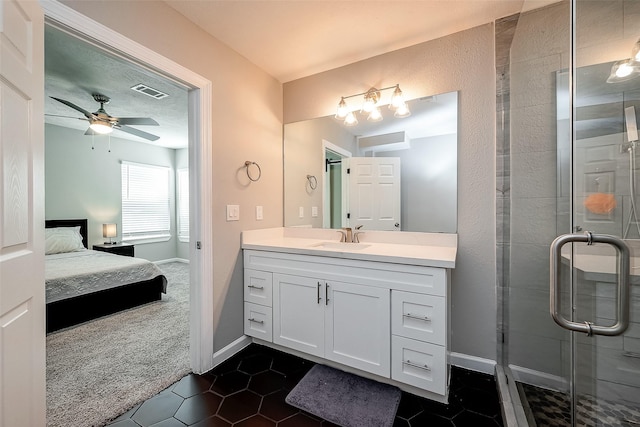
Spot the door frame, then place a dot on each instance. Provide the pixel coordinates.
(326, 205)
(200, 169)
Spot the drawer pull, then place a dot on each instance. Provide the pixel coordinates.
(413, 316)
(255, 287)
(256, 320)
(415, 365)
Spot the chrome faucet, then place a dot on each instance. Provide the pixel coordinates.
(350, 236)
(355, 238)
(346, 235)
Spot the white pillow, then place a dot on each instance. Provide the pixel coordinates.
(62, 239)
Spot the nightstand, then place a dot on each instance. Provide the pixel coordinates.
(125, 249)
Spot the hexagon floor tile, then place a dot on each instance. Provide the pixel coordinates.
(249, 390)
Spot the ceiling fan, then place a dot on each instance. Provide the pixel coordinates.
(102, 123)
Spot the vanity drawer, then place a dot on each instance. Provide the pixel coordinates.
(418, 316)
(258, 287)
(257, 321)
(419, 364)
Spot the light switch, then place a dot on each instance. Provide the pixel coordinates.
(301, 212)
(259, 213)
(314, 211)
(233, 212)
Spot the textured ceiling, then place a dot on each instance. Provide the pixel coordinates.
(288, 39)
(74, 70)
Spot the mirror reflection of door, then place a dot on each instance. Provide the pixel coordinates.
(334, 195)
(374, 192)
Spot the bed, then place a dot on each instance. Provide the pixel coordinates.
(83, 284)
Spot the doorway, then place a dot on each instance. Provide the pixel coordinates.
(200, 166)
(334, 197)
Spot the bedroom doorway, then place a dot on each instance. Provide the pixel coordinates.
(199, 155)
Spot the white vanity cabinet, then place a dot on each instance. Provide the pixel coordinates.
(384, 320)
(344, 322)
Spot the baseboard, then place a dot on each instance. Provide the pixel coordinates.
(473, 363)
(166, 261)
(538, 379)
(231, 349)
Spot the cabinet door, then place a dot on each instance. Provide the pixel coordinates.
(357, 326)
(298, 313)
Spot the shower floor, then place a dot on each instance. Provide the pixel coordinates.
(551, 409)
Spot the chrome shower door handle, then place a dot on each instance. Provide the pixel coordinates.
(622, 294)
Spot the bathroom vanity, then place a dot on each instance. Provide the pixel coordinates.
(378, 308)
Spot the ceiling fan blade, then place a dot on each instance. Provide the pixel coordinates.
(137, 132)
(137, 121)
(87, 114)
(65, 117)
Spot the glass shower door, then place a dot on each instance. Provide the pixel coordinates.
(604, 96)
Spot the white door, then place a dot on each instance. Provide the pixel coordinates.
(374, 193)
(298, 313)
(22, 306)
(357, 327)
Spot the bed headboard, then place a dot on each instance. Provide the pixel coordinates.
(52, 223)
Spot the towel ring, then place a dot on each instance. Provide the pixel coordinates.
(313, 182)
(247, 164)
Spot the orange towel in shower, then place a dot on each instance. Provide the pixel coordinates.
(600, 203)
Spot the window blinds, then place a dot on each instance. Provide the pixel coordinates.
(145, 200)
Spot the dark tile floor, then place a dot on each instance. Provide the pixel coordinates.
(249, 389)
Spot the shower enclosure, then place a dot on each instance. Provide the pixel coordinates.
(567, 166)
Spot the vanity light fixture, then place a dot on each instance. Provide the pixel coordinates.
(371, 106)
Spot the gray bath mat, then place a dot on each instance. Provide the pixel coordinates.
(345, 399)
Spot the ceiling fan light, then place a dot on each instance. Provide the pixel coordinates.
(100, 127)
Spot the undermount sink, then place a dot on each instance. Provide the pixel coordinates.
(341, 245)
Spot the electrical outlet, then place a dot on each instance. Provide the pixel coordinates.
(259, 213)
(233, 212)
(301, 212)
(314, 211)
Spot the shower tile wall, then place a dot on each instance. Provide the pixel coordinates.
(540, 46)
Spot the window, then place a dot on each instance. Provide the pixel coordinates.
(145, 202)
(183, 204)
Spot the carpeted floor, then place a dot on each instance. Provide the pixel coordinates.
(98, 370)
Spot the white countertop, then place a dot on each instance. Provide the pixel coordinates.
(424, 249)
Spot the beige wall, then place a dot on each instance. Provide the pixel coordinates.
(460, 62)
(246, 123)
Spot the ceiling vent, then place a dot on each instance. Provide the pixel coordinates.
(149, 91)
(387, 142)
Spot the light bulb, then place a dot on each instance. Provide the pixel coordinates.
(374, 115)
(342, 110)
(624, 70)
(351, 119)
(396, 99)
(402, 111)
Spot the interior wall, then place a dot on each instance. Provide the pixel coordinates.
(303, 142)
(459, 62)
(246, 123)
(81, 182)
(430, 185)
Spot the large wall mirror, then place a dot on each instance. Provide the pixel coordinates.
(395, 174)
